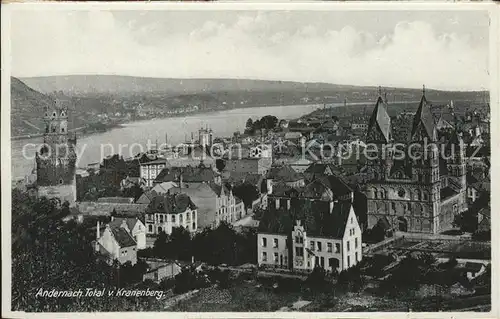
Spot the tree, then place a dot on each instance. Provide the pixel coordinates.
(220, 164)
(179, 246)
(160, 245)
(351, 279)
(268, 122)
(249, 124)
(135, 192)
(247, 193)
(317, 279)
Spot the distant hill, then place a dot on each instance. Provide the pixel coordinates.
(27, 106)
(85, 84)
(88, 96)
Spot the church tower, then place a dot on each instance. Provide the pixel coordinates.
(455, 165)
(56, 158)
(379, 160)
(424, 155)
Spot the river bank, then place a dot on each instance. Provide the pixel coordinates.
(110, 126)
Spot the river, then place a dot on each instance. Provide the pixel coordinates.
(132, 137)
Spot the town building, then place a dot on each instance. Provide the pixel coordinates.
(169, 211)
(134, 226)
(332, 243)
(56, 159)
(420, 191)
(215, 203)
(150, 170)
(188, 176)
(116, 243)
(250, 165)
(160, 270)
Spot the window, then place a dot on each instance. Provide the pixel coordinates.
(264, 242)
(401, 193)
(356, 255)
(352, 220)
(348, 260)
(193, 215)
(150, 228)
(312, 244)
(275, 243)
(356, 243)
(337, 248)
(319, 246)
(264, 256)
(160, 229)
(161, 218)
(275, 258)
(194, 225)
(180, 218)
(173, 219)
(348, 246)
(322, 262)
(393, 206)
(329, 247)
(299, 251)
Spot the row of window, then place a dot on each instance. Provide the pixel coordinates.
(160, 229)
(382, 194)
(283, 260)
(314, 245)
(161, 218)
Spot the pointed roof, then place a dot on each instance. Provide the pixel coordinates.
(424, 119)
(380, 120)
(123, 238)
(117, 222)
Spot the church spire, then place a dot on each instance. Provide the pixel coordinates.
(379, 126)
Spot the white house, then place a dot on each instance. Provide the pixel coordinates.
(134, 226)
(149, 170)
(336, 249)
(116, 243)
(168, 211)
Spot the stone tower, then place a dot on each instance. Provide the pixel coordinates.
(424, 155)
(56, 158)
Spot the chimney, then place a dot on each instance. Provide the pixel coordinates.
(192, 259)
(98, 229)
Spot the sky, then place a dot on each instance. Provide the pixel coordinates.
(441, 49)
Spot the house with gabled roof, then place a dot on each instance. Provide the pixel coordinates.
(134, 226)
(167, 211)
(116, 243)
(330, 240)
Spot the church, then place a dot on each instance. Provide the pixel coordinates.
(415, 186)
(56, 158)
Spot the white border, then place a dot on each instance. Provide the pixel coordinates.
(494, 11)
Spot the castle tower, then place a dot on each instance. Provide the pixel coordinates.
(56, 158)
(424, 156)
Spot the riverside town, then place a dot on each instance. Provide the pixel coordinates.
(249, 194)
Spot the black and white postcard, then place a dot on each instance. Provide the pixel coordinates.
(249, 160)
